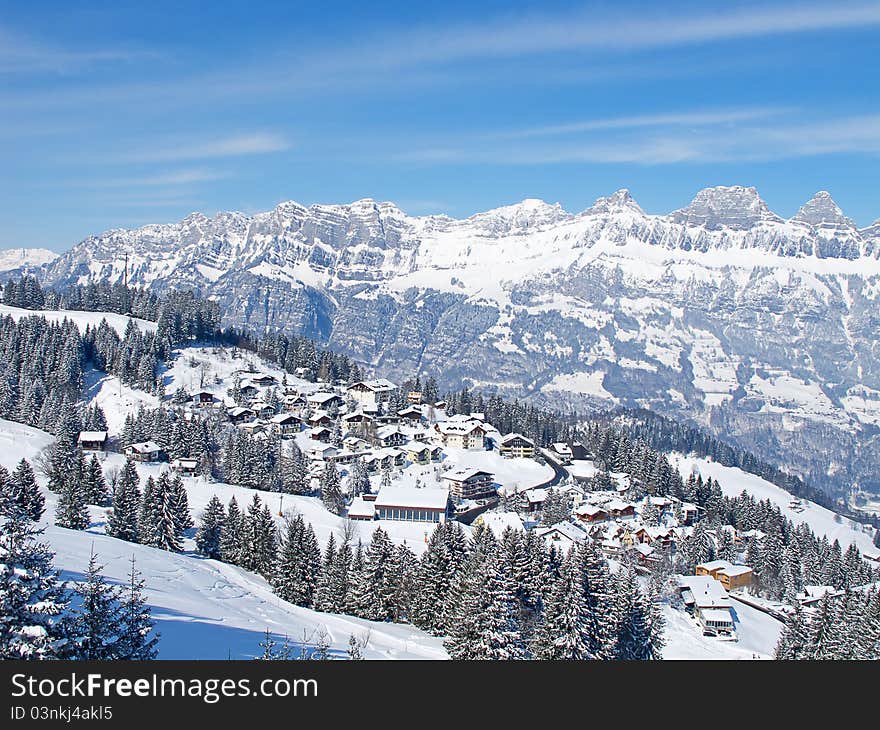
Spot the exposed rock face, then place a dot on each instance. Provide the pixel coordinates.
(767, 330)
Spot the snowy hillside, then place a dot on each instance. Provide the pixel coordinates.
(821, 520)
(206, 609)
(81, 319)
(721, 311)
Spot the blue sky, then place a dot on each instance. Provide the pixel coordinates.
(127, 113)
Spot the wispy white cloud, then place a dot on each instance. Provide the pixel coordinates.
(22, 53)
(164, 179)
(789, 138)
(254, 143)
(676, 119)
(535, 34)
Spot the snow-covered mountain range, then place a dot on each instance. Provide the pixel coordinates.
(19, 258)
(765, 329)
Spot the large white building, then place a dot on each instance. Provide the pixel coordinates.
(412, 504)
(462, 432)
(371, 393)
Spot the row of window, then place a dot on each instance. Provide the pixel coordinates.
(411, 515)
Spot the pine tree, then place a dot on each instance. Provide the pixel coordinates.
(564, 631)
(97, 622)
(94, 486)
(122, 520)
(794, 638)
(210, 532)
(71, 511)
(180, 505)
(137, 640)
(232, 537)
(331, 492)
(24, 493)
(299, 563)
(32, 601)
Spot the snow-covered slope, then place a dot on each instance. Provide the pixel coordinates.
(206, 609)
(721, 311)
(822, 521)
(25, 258)
(81, 319)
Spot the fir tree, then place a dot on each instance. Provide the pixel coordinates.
(122, 520)
(210, 533)
(32, 601)
(232, 537)
(331, 492)
(24, 494)
(97, 622)
(137, 640)
(71, 511)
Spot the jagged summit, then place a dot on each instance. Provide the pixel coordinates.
(822, 210)
(723, 206)
(620, 200)
(528, 214)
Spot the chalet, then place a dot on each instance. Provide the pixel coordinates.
(357, 418)
(293, 402)
(144, 451)
(319, 418)
(262, 410)
(441, 404)
(417, 453)
(645, 554)
(371, 393)
(709, 603)
(321, 433)
(361, 509)
(412, 504)
(591, 514)
(321, 452)
(414, 396)
(355, 443)
(620, 510)
(203, 399)
(811, 595)
(516, 446)
(284, 424)
(384, 459)
(466, 483)
(345, 456)
(252, 427)
(248, 390)
(325, 401)
(187, 467)
(390, 436)
(562, 536)
(240, 414)
(561, 451)
(436, 453)
(533, 499)
(412, 414)
(690, 513)
(728, 575)
(92, 441)
(462, 433)
(264, 381)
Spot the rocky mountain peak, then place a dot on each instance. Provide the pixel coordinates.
(723, 206)
(822, 210)
(616, 202)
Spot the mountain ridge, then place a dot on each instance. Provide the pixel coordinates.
(721, 312)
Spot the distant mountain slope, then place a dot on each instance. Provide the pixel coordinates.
(18, 258)
(764, 329)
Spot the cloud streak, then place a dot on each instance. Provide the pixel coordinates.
(22, 54)
(254, 143)
(712, 142)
